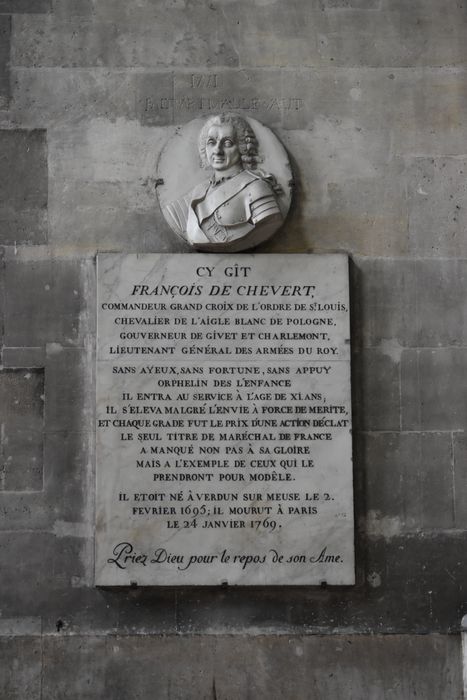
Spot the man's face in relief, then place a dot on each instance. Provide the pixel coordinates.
(222, 150)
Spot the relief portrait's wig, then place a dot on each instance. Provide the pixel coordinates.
(246, 139)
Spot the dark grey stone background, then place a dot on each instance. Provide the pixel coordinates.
(370, 99)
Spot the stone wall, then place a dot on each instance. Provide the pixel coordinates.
(370, 99)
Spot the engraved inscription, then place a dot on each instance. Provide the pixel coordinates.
(223, 420)
(201, 81)
(206, 103)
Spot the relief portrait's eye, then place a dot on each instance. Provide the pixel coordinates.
(228, 143)
(211, 142)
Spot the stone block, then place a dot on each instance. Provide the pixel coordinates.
(103, 187)
(68, 384)
(20, 626)
(376, 389)
(23, 7)
(395, 111)
(87, 679)
(23, 181)
(382, 317)
(432, 390)
(419, 34)
(25, 510)
(351, 4)
(68, 475)
(65, 95)
(117, 36)
(460, 479)
(416, 582)
(437, 192)
(5, 39)
(349, 100)
(44, 301)
(424, 108)
(408, 482)
(22, 416)
(216, 610)
(21, 668)
(441, 313)
(84, 609)
(399, 35)
(23, 357)
(315, 667)
(428, 309)
(64, 504)
(72, 8)
(2, 297)
(195, 35)
(411, 582)
(344, 200)
(152, 609)
(37, 571)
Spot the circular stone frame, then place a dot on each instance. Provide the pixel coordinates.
(179, 170)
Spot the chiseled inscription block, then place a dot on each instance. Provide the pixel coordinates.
(223, 420)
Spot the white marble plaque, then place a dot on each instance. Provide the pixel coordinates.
(224, 449)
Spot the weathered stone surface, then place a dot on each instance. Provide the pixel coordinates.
(383, 318)
(24, 6)
(392, 566)
(5, 38)
(68, 474)
(396, 110)
(145, 37)
(376, 390)
(441, 314)
(2, 295)
(460, 479)
(56, 97)
(68, 382)
(407, 564)
(63, 505)
(21, 668)
(314, 667)
(103, 186)
(23, 178)
(43, 301)
(23, 357)
(409, 485)
(425, 110)
(25, 510)
(437, 192)
(351, 4)
(20, 626)
(72, 8)
(432, 392)
(150, 36)
(46, 569)
(410, 303)
(345, 199)
(22, 418)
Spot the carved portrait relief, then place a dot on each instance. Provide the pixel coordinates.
(225, 199)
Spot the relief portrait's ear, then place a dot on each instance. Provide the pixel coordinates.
(227, 183)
